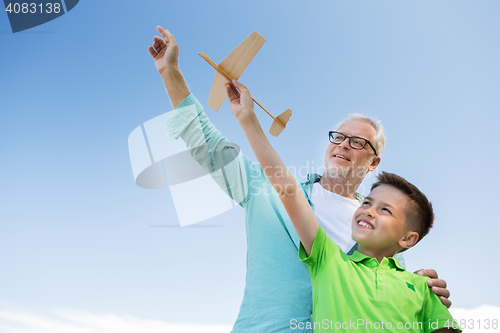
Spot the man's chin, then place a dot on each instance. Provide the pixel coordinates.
(342, 173)
(336, 171)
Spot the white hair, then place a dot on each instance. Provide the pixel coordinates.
(379, 139)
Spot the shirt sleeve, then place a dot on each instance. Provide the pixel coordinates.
(323, 250)
(436, 315)
(233, 172)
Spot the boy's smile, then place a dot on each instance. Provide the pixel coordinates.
(362, 223)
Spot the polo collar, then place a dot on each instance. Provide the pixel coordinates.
(359, 257)
(394, 263)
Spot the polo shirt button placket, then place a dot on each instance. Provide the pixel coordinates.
(380, 274)
(381, 290)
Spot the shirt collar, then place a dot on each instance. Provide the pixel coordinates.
(359, 257)
(314, 178)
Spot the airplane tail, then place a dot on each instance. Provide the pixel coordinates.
(276, 127)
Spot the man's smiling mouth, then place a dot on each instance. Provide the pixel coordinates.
(341, 157)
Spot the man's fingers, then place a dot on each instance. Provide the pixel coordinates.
(427, 272)
(441, 291)
(160, 30)
(163, 33)
(438, 286)
(159, 40)
(445, 301)
(436, 283)
(157, 46)
(152, 51)
(169, 38)
(158, 43)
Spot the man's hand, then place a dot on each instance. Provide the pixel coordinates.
(165, 51)
(240, 104)
(166, 55)
(438, 286)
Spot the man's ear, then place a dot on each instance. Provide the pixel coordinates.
(375, 163)
(409, 240)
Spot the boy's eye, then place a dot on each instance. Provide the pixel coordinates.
(387, 210)
(366, 203)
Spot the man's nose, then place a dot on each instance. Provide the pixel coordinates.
(345, 144)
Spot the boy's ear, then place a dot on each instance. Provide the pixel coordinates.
(409, 240)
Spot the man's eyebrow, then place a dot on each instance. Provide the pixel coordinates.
(353, 136)
(360, 137)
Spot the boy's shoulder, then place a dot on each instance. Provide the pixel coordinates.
(393, 270)
(411, 282)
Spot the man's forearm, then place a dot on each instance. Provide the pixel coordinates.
(175, 84)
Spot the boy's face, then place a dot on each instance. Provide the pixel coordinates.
(379, 224)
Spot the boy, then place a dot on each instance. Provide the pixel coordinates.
(368, 290)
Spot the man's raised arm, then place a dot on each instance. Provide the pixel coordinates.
(165, 52)
(221, 159)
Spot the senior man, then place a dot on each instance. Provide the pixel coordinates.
(278, 295)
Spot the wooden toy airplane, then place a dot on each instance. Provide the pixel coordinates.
(231, 68)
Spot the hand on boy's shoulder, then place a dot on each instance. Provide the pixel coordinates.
(438, 286)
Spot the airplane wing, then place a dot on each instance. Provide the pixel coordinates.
(234, 65)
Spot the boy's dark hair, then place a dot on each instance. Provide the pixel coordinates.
(419, 213)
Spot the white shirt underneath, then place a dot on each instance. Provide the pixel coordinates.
(334, 213)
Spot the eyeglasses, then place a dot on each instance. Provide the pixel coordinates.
(354, 141)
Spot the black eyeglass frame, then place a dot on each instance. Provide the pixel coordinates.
(350, 138)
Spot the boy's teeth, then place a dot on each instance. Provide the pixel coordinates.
(364, 224)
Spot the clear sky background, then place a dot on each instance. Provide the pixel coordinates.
(77, 244)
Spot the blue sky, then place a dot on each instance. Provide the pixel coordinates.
(75, 230)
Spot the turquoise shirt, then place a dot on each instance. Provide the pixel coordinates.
(278, 294)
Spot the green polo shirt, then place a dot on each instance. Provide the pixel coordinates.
(355, 293)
